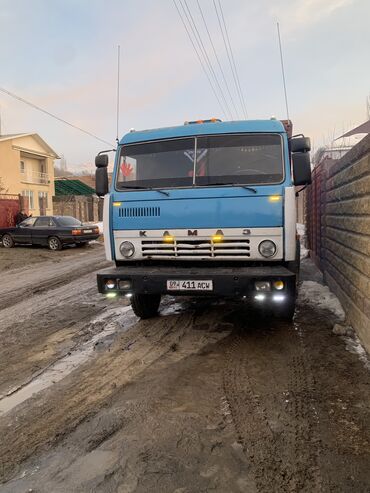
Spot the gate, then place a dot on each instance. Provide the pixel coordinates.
(9, 207)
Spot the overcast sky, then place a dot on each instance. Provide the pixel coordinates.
(62, 54)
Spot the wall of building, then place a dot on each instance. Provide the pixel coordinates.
(339, 231)
(16, 182)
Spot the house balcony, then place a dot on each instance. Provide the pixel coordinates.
(35, 177)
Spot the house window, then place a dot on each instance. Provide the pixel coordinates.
(29, 195)
(43, 196)
(21, 166)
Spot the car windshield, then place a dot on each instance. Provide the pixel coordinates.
(220, 159)
(68, 221)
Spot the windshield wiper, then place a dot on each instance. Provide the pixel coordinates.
(251, 189)
(148, 188)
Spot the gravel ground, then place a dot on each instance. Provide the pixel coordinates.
(209, 396)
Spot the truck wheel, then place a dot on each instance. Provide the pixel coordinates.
(8, 241)
(294, 265)
(286, 310)
(145, 305)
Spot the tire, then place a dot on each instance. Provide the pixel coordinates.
(286, 310)
(54, 243)
(295, 265)
(8, 241)
(145, 305)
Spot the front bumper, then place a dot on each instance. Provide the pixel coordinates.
(227, 281)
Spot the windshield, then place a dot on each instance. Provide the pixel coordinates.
(68, 221)
(220, 159)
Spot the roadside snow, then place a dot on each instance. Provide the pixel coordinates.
(301, 230)
(353, 345)
(315, 294)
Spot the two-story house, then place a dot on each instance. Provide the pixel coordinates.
(27, 168)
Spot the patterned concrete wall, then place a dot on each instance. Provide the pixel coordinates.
(83, 207)
(345, 252)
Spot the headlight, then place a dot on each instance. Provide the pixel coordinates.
(267, 248)
(127, 249)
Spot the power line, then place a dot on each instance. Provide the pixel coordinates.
(230, 55)
(233, 60)
(217, 58)
(199, 57)
(283, 71)
(203, 50)
(34, 106)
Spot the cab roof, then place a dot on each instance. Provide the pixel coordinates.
(192, 129)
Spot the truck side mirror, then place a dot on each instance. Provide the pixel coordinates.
(300, 144)
(101, 160)
(301, 168)
(101, 175)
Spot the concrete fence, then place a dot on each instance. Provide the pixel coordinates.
(86, 208)
(338, 223)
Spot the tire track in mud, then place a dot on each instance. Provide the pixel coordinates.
(271, 399)
(51, 417)
(18, 293)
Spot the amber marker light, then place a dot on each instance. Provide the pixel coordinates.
(217, 238)
(274, 198)
(117, 204)
(279, 285)
(168, 239)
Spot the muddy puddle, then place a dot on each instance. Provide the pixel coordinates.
(117, 320)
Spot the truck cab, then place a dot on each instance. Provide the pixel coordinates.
(205, 208)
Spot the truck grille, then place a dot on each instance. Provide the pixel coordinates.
(227, 249)
(139, 212)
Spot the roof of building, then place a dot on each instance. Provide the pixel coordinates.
(212, 128)
(364, 128)
(36, 136)
(72, 187)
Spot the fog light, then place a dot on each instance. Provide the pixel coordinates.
(111, 295)
(110, 284)
(279, 285)
(127, 249)
(267, 248)
(129, 295)
(262, 286)
(278, 297)
(125, 285)
(260, 297)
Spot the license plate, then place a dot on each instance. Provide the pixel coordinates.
(87, 231)
(189, 285)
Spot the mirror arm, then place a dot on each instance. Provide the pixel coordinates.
(108, 150)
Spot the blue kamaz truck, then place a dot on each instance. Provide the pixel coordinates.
(205, 208)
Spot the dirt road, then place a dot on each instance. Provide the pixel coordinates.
(206, 397)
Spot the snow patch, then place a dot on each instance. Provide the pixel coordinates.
(354, 346)
(315, 294)
(301, 231)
